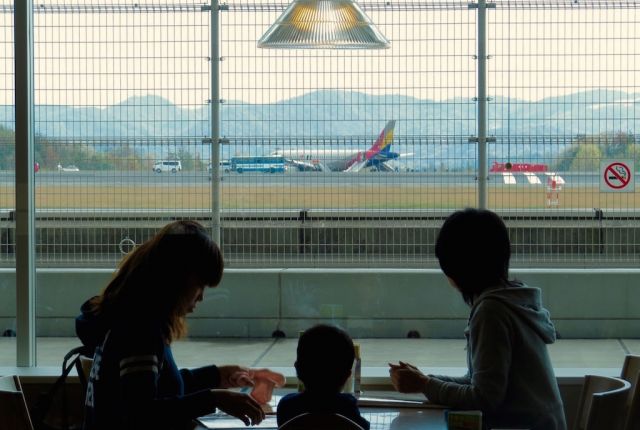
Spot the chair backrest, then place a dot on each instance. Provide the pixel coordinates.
(631, 369)
(14, 414)
(633, 411)
(602, 403)
(86, 363)
(631, 372)
(320, 421)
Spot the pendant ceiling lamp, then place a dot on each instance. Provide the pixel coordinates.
(323, 24)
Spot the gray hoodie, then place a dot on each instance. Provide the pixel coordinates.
(510, 375)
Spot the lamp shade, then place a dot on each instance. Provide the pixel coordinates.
(323, 24)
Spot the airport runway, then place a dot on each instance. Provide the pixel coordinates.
(310, 179)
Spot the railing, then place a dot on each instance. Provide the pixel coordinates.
(338, 238)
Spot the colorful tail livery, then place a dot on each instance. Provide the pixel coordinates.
(379, 153)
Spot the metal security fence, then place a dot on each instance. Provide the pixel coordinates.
(321, 109)
(122, 116)
(7, 121)
(563, 85)
(125, 93)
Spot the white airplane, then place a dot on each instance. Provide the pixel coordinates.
(344, 160)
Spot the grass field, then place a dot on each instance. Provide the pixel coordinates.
(315, 197)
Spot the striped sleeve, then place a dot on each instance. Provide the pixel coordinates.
(139, 363)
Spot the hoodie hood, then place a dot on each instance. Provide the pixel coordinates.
(526, 303)
(91, 328)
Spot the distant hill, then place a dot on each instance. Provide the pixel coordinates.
(341, 113)
(333, 113)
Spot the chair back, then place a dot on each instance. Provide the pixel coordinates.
(86, 363)
(633, 412)
(602, 403)
(14, 414)
(631, 369)
(320, 421)
(631, 372)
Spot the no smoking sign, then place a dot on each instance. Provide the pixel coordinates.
(616, 176)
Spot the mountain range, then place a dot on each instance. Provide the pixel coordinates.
(335, 113)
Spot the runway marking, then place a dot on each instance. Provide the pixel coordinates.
(508, 178)
(532, 179)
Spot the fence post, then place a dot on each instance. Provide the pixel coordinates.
(215, 121)
(482, 105)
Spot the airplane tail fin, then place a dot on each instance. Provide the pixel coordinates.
(382, 144)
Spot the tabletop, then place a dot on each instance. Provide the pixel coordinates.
(385, 415)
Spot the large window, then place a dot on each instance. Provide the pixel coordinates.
(378, 146)
(327, 158)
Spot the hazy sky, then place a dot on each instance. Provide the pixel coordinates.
(96, 57)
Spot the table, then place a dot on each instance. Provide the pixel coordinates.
(380, 417)
(404, 419)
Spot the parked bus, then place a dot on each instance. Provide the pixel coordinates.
(265, 164)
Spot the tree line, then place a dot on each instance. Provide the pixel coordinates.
(50, 153)
(586, 151)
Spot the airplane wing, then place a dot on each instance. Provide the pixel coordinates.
(305, 166)
(357, 166)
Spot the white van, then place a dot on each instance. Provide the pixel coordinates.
(172, 166)
(225, 167)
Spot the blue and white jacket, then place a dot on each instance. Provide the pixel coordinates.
(135, 383)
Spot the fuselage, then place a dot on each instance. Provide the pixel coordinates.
(333, 159)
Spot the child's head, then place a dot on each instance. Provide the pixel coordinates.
(325, 357)
(473, 250)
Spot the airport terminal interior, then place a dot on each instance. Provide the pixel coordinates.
(324, 165)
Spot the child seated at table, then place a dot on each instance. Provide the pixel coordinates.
(325, 356)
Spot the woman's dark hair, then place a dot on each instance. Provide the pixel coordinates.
(473, 249)
(324, 358)
(155, 279)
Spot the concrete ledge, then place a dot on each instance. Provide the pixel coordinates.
(369, 303)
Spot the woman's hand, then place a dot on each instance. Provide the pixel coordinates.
(239, 405)
(265, 381)
(235, 376)
(406, 378)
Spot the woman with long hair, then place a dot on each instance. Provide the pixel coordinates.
(510, 377)
(134, 381)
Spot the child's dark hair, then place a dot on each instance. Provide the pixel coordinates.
(325, 357)
(473, 249)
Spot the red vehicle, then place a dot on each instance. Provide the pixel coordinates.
(519, 167)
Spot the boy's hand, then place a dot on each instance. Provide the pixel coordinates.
(406, 378)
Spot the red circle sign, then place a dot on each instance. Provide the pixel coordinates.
(617, 175)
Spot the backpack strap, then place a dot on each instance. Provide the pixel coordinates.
(44, 403)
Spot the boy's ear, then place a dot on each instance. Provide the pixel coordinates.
(346, 376)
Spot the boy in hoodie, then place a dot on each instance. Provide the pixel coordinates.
(510, 377)
(325, 356)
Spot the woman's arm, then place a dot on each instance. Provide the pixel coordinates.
(151, 387)
(201, 378)
(466, 379)
(490, 344)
